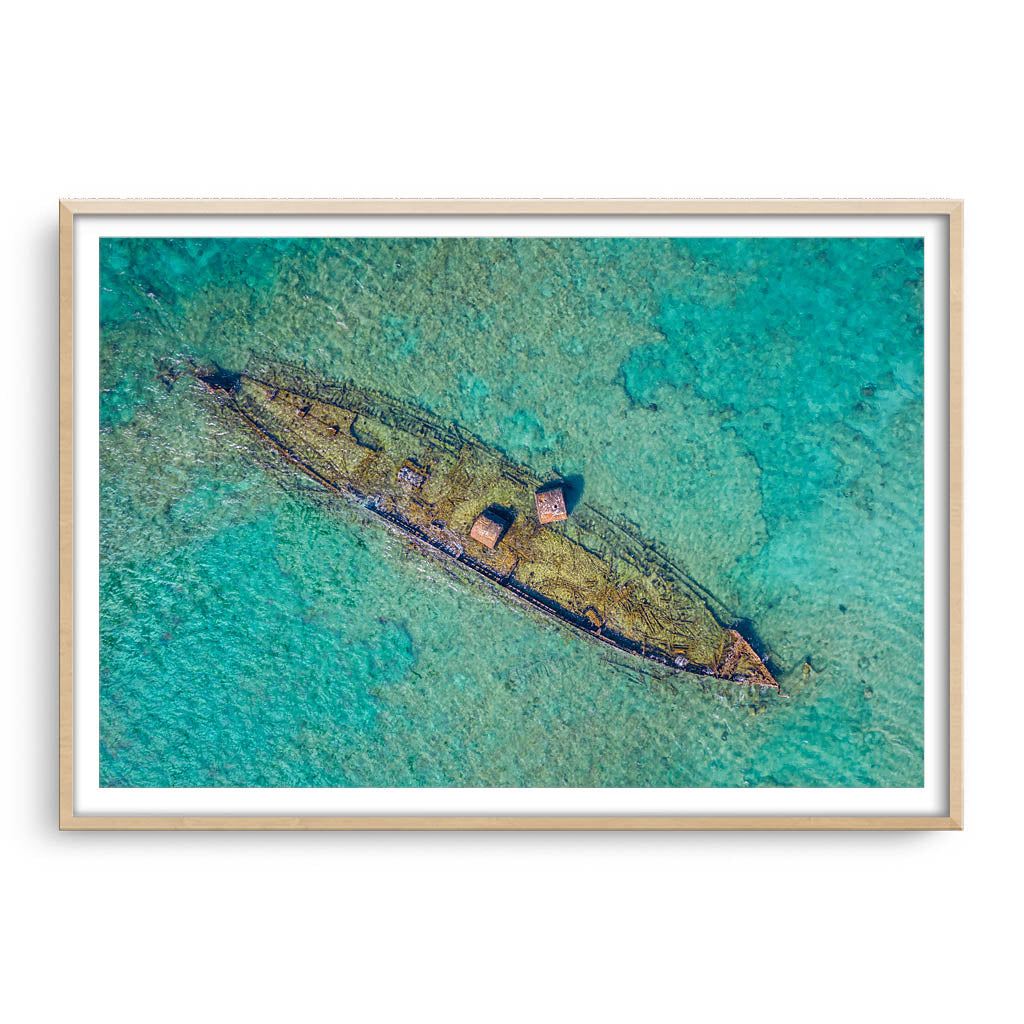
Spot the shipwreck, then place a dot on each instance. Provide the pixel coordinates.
(452, 496)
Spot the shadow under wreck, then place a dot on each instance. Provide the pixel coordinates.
(454, 497)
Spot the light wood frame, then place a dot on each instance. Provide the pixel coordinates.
(950, 209)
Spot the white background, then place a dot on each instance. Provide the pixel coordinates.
(783, 99)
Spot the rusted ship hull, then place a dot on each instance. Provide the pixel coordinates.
(430, 481)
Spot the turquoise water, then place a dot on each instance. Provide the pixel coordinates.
(754, 405)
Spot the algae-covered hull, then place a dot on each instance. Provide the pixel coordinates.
(431, 482)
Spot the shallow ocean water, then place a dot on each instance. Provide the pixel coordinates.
(753, 405)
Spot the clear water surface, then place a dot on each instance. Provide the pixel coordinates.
(755, 405)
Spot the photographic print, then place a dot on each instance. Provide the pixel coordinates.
(511, 512)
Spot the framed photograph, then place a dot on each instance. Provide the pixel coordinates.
(510, 514)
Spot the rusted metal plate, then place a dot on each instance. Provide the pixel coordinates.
(488, 528)
(550, 505)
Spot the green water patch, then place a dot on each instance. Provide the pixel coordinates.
(219, 671)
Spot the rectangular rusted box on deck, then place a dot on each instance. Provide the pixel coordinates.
(488, 528)
(550, 505)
